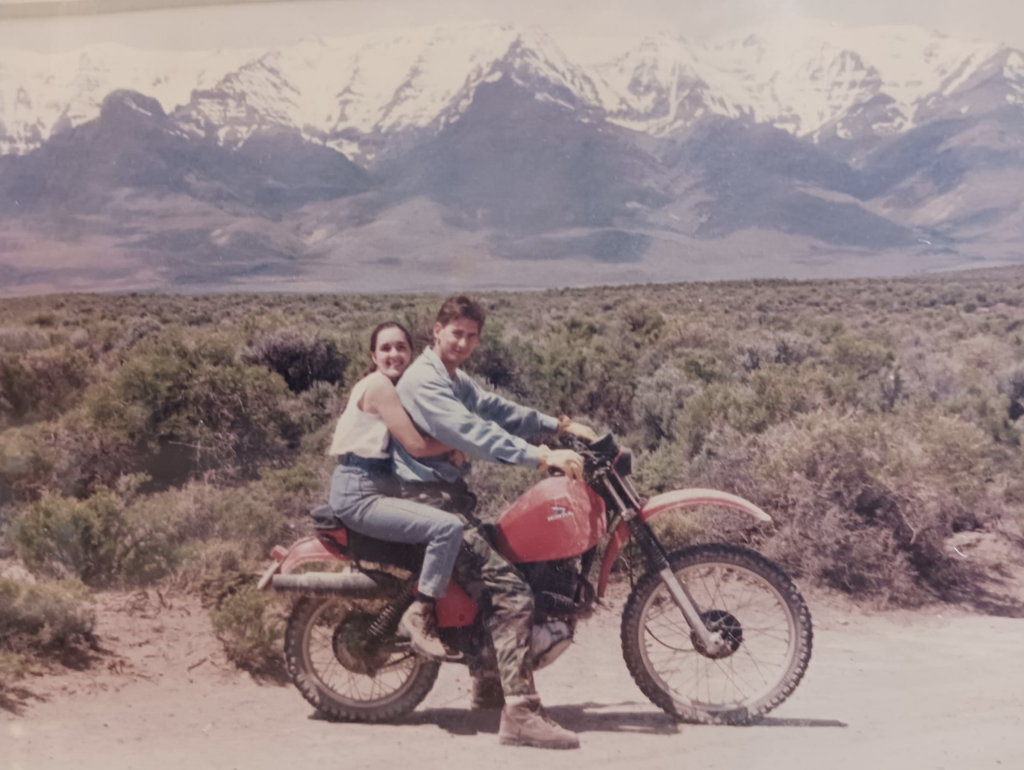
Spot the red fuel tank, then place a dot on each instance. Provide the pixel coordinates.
(555, 519)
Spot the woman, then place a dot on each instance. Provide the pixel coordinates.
(359, 487)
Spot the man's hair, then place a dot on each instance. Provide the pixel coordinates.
(461, 306)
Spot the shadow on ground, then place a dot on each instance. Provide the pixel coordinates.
(581, 718)
(16, 699)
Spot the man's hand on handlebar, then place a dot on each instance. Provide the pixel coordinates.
(566, 425)
(567, 461)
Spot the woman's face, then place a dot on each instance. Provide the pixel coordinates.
(392, 355)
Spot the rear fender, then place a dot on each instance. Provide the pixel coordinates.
(673, 501)
(305, 551)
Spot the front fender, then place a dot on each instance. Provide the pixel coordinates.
(671, 501)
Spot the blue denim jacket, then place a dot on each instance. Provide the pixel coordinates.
(458, 412)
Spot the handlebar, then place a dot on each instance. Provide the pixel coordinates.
(603, 452)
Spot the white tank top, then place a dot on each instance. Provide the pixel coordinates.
(358, 432)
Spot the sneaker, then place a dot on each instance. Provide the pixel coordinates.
(523, 723)
(420, 625)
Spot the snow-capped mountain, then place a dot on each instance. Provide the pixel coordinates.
(359, 94)
(43, 94)
(379, 93)
(799, 75)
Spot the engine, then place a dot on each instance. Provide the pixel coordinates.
(556, 586)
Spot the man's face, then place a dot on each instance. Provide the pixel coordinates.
(455, 341)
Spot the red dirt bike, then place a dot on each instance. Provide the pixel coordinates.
(715, 634)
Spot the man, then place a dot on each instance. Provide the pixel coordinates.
(447, 404)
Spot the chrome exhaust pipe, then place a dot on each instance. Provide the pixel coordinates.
(350, 584)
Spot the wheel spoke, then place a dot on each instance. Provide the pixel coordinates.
(746, 608)
(353, 675)
(732, 678)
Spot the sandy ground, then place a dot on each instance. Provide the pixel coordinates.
(914, 691)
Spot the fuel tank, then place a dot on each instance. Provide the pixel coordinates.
(555, 519)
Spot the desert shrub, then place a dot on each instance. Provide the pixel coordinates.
(48, 612)
(37, 618)
(508, 364)
(13, 665)
(41, 384)
(641, 317)
(1011, 384)
(584, 373)
(196, 393)
(659, 399)
(321, 404)
(772, 394)
(776, 393)
(19, 339)
(245, 520)
(701, 366)
(662, 469)
(44, 383)
(865, 502)
(251, 635)
(300, 359)
(788, 348)
(138, 329)
(67, 457)
(245, 515)
(17, 388)
(862, 356)
(106, 539)
(43, 318)
(26, 464)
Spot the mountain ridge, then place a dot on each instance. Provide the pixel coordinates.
(357, 94)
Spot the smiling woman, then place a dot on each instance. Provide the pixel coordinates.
(362, 486)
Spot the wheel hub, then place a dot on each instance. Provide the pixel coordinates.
(351, 648)
(723, 627)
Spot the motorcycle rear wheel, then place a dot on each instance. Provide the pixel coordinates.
(755, 606)
(323, 657)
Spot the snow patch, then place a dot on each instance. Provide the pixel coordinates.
(133, 106)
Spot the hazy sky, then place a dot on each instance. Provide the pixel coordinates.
(260, 25)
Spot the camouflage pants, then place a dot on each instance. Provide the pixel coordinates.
(504, 598)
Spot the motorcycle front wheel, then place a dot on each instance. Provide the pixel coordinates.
(756, 608)
(340, 675)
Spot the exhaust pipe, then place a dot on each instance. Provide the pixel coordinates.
(352, 584)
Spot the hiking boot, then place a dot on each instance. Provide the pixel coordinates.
(420, 625)
(487, 692)
(523, 723)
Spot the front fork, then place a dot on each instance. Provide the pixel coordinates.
(654, 555)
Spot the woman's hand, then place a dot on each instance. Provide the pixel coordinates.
(457, 458)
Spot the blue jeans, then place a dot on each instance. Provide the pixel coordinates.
(359, 500)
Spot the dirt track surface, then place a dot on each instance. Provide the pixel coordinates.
(909, 691)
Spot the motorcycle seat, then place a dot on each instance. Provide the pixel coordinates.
(408, 556)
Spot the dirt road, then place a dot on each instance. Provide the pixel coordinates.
(907, 691)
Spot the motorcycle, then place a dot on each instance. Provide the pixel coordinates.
(712, 634)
